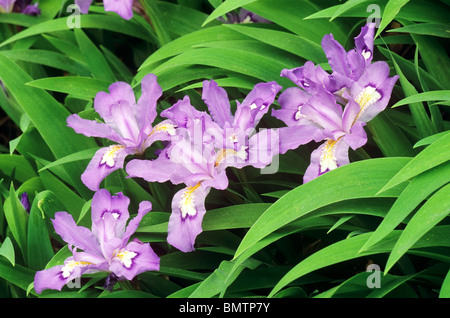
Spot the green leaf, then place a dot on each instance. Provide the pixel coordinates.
(418, 190)
(347, 249)
(390, 12)
(81, 155)
(7, 251)
(40, 249)
(361, 179)
(433, 29)
(48, 116)
(83, 87)
(445, 288)
(17, 218)
(345, 7)
(429, 215)
(97, 63)
(435, 154)
(88, 21)
(226, 7)
(441, 95)
(154, 14)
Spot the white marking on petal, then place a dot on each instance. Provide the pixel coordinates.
(70, 266)
(328, 159)
(187, 202)
(368, 96)
(298, 114)
(366, 54)
(253, 106)
(125, 257)
(109, 157)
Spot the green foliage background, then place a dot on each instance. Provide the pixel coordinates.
(267, 235)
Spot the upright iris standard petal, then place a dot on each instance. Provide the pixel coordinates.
(105, 248)
(84, 5)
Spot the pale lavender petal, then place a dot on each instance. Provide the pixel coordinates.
(336, 54)
(295, 136)
(117, 205)
(84, 5)
(356, 64)
(124, 8)
(217, 101)
(73, 234)
(119, 92)
(259, 99)
(91, 128)
(263, 146)
(181, 111)
(291, 100)
(161, 169)
(185, 223)
(146, 105)
(357, 136)
(124, 121)
(144, 208)
(134, 259)
(105, 161)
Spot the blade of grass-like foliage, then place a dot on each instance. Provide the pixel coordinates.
(81, 155)
(83, 87)
(290, 13)
(418, 112)
(445, 288)
(347, 249)
(435, 154)
(262, 67)
(389, 137)
(158, 24)
(40, 249)
(17, 165)
(7, 251)
(48, 116)
(418, 190)
(98, 65)
(89, 21)
(435, 57)
(17, 219)
(184, 43)
(442, 95)
(17, 275)
(390, 12)
(48, 58)
(345, 7)
(429, 215)
(361, 179)
(226, 7)
(294, 44)
(433, 29)
(430, 139)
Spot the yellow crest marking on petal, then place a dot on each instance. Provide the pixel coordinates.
(69, 267)
(163, 127)
(125, 257)
(224, 153)
(368, 96)
(109, 157)
(328, 159)
(187, 202)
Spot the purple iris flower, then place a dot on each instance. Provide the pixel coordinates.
(335, 107)
(105, 248)
(21, 6)
(127, 123)
(205, 146)
(124, 8)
